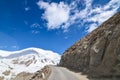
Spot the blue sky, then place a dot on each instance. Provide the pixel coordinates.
(50, 24)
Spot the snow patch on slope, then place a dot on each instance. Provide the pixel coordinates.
(27, 60)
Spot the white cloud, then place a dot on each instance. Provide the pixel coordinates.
(35, 25)
(92, 27)
(105, 12)
(97, 14)
(101, 17)
(25, 22)
(35, 28)
(102, 13)
(27, 8)
(56, 14)
(35, 31)
(88, 3)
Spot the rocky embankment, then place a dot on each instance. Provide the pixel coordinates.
(97, 54)
(42, 74)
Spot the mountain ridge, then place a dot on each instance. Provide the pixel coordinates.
(2, 52)
(27, 60)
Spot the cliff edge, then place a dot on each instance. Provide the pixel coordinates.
(97, 54)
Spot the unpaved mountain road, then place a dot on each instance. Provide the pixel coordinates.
(60, 73)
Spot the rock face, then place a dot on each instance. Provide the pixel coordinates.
(97, 54)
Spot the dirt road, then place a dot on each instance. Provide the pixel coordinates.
(60, 73)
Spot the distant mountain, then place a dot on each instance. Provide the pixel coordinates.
(28, 60)
(97, 54)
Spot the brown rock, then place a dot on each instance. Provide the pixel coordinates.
(1, 78)
(23, 76)
(97, 54)
(43, 74)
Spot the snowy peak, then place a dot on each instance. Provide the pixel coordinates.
(26, 60)
(27, 51)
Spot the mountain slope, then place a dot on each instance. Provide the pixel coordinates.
(28, 60)
(97, 54)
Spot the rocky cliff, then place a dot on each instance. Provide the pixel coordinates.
(97, 54)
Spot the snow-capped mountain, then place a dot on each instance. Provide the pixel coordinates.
(27, 60)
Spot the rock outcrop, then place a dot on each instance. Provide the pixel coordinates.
(41, 74)
(22, 76)
(97, 54)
